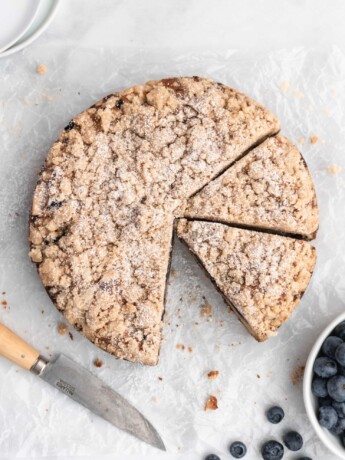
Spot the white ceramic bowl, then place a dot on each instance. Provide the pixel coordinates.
(45, 15)
(310, 401)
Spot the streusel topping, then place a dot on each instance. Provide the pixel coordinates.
(262, 276)
(103, 209)
(269, 188)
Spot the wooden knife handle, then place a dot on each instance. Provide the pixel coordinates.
(16, 350)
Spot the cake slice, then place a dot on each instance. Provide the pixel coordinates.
(261, 276)
(270, 188)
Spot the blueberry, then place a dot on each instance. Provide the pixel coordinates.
(238, 449)
(212, 457)
(336, 388)
(341, 370)
(339, 427)
(293, 440)
(325, 367)
(327, 417)
(330, 345)
(319, 387)
(340, 330)
(339, 408)
(119, 104)
(272, 450)
(340, 354)
(327, 401)
(70, 126)
(275, 414)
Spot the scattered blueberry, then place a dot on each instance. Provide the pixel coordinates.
(327, 417)
(340, 354)
(325, 367)
(339, 427)
(341, 370)
(330, 345)
(276, 414)
(327, 401)
(336, 388)
(319, 387)
(293, 440)
(340, 330)
(339, 407)
(212, 457)
(272, 450)
(238, 449)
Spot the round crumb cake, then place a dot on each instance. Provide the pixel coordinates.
(114, 182)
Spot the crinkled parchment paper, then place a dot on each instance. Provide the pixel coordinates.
(305, 88)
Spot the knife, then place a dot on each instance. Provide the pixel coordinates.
(79, 384)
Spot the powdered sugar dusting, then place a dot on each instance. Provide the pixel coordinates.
(103, 211)
(263, 276)
(269, 188)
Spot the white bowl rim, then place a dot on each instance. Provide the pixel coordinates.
(308, 397)
(18, 46)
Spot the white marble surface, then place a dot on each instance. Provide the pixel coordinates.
(91, 49)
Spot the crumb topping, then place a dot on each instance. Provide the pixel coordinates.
(103, 208)
(62, 328)
(41, 69)
(212, 375)
(262, 276)
(314, 139)
(98, 363)
(211, 403)
(269, 188)
(206, 310)
(334, 170)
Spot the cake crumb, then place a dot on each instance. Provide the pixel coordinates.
(301, 140)
(314, 139)
(298, 94)
(98, 363)
(285, 86)
(180, 346)
(190, 349)
(206, 310)
(42, 311)
(160, 378)
(297, 374)
(41, 69)
(258, 376)
(70, 335)
(211, 403)
(334, 169)
(62, 328)
(3, 292)
(212, 375)
(173, 273)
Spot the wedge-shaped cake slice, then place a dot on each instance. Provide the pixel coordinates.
(262, 276)
(269, 188)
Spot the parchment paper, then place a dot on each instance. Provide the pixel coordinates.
(305, 88)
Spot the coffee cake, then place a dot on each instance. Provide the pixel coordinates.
(104, 205)
(270, 188)
(261, 276)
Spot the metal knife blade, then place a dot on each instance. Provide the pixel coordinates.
(79, 384)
